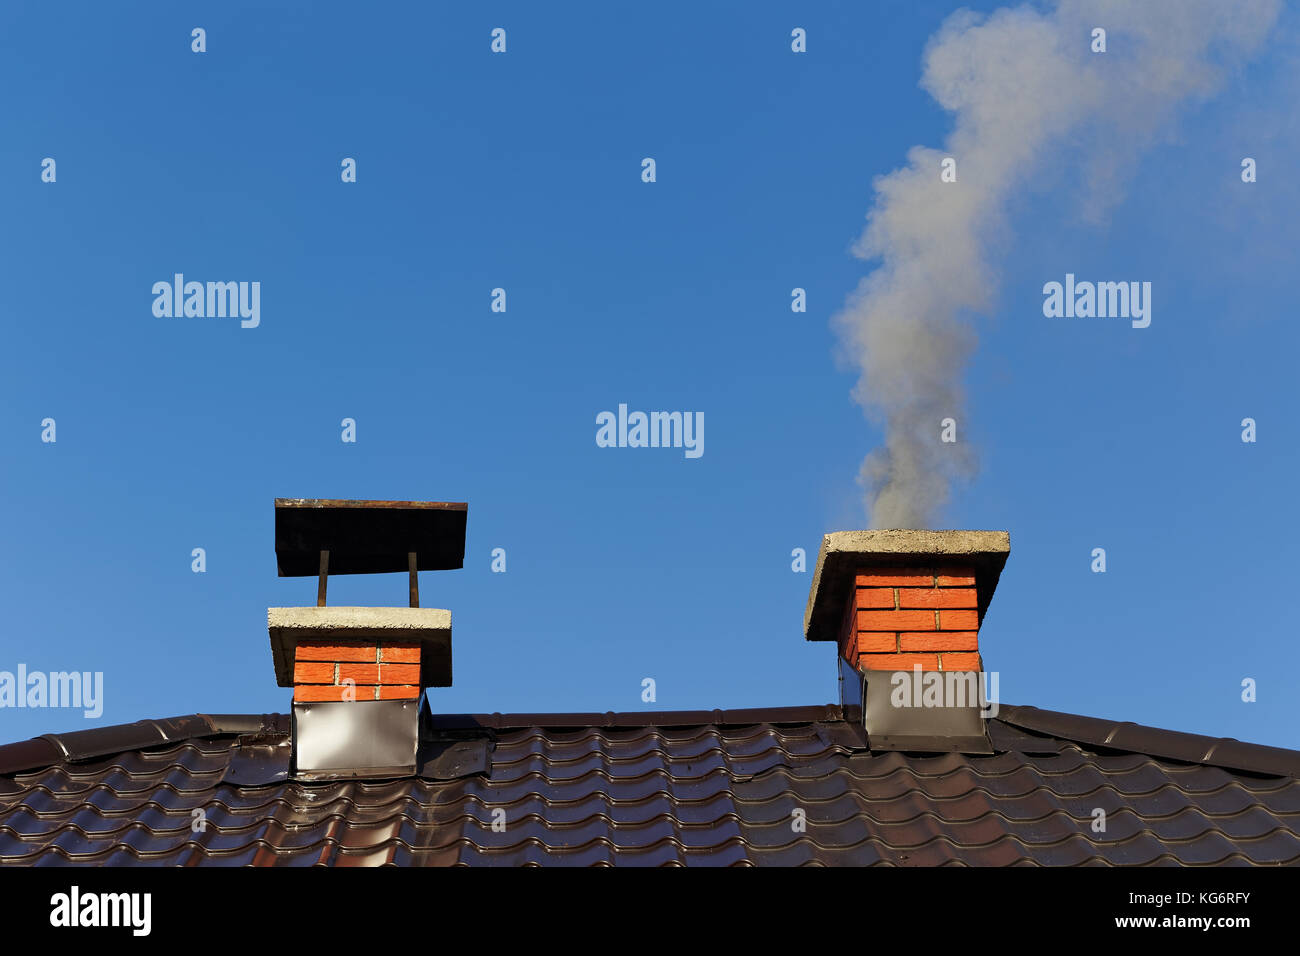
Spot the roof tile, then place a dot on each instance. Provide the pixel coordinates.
(707, 788)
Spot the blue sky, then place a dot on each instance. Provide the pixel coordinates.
(523, 171)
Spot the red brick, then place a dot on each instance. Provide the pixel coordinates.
(940, 641)
(956, 577)
(399, 673)
(896, 578)
(361, 673)
(899, 662)
(960, 662)
(896, 620)
(400, 653)
(877, 642)
(957, 621)
(313, 672)
(331, 692)
(326, 651)
(849, 646)
(936, 597)
(399, 692)
(875, 598)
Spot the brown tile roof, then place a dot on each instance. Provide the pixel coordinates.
(695, 788)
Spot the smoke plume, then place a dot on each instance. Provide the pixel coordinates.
(1025, 89)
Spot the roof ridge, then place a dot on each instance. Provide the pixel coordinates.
(49, 749)
(799, 714)
(71, 746)
(1124, 735)
(1226, 752)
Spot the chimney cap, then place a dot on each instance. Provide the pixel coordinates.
(367, 537)
(844, 553)
(428, 627)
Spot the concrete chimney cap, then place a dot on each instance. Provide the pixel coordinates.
(844, 553)
(428, 627)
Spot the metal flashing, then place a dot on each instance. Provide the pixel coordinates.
(917, 725)
(349, 739)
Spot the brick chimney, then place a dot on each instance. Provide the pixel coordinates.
(360, 653)
(894, 600)
(357, 672)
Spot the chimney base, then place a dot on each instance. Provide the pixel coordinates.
(336, 740)
(872, 699)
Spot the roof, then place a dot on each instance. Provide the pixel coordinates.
(678, 788)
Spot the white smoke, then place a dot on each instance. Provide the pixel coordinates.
(1025, 89)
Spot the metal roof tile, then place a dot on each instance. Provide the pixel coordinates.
(706, 788)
